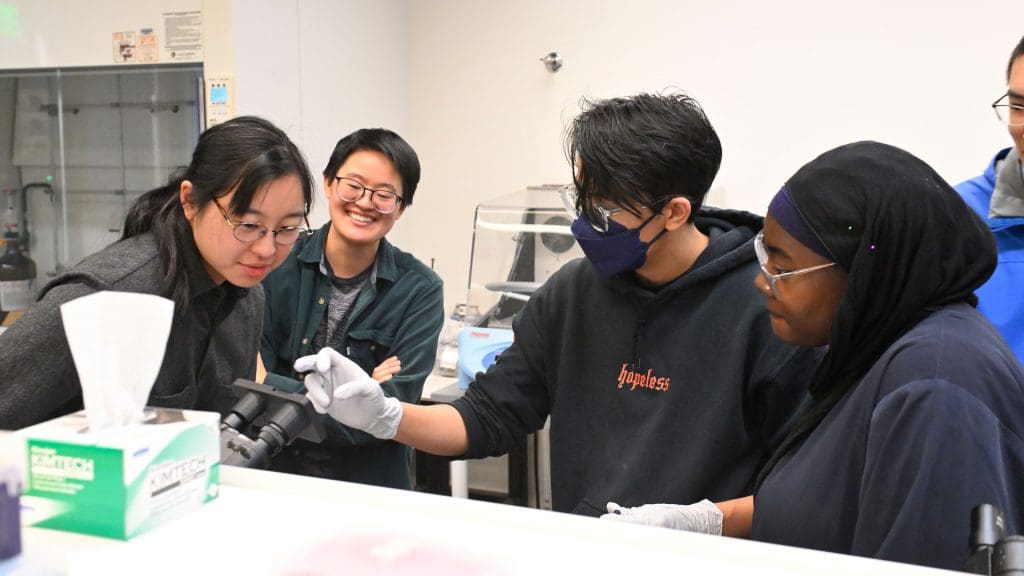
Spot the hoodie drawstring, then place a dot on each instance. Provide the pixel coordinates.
(637, 341)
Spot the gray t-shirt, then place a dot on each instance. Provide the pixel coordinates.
(1008, 196)
(343, 295)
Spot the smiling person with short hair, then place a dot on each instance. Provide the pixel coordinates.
(346, 288)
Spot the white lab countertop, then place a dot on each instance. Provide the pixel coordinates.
(437, 383)
(271, 523)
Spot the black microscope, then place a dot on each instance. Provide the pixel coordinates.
(992, 551)
(263, 422)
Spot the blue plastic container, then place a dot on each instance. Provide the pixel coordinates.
(478, 349)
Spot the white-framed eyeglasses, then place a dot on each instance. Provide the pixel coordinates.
(762, 260)
(597, 215)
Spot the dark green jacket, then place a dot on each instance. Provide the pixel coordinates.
(399, 312)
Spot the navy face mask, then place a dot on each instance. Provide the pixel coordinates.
(617, 250)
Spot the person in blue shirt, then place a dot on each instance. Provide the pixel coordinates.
(998, 196)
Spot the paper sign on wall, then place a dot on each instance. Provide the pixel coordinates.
(183, 35)
(125, 46)
(136, 47)
(149, 48)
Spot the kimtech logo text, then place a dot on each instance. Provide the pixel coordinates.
(173, 474)
(46, 462)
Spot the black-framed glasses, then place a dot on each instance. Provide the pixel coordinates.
(250, 232)
(1009, 114)
(383, 201)
(762, 260)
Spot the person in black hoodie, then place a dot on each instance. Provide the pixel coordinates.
(652, 356)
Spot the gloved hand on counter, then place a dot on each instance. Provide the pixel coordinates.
(703, 517)
(341, 389)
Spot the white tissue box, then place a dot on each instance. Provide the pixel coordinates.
(122, 481)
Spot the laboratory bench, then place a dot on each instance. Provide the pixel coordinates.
(272, 523)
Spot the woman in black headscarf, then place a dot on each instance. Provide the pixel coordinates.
(918, 406)
(918, 412)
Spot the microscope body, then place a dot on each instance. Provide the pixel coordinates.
(992, 552)
(263, 422)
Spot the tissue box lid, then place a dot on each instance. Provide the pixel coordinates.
(167, 422)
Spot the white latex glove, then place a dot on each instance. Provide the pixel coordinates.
(703, 517)
(359, 404)
(335, 368)
(331, 369)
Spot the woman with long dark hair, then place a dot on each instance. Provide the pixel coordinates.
(205, 240)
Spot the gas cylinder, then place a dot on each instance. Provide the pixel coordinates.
(17, 276)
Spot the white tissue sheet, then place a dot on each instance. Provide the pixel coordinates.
(117, 340)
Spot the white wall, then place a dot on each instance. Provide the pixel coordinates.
(322, 69)
(267, 62)
(72, 33)
(781, 81)
(355, 74)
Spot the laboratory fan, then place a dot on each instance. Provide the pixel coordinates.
(557, 243)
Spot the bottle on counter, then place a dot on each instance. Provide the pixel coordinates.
(448, 342)
(17, 276)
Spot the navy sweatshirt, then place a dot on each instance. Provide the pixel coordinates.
(671, 395)
(934, 428)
